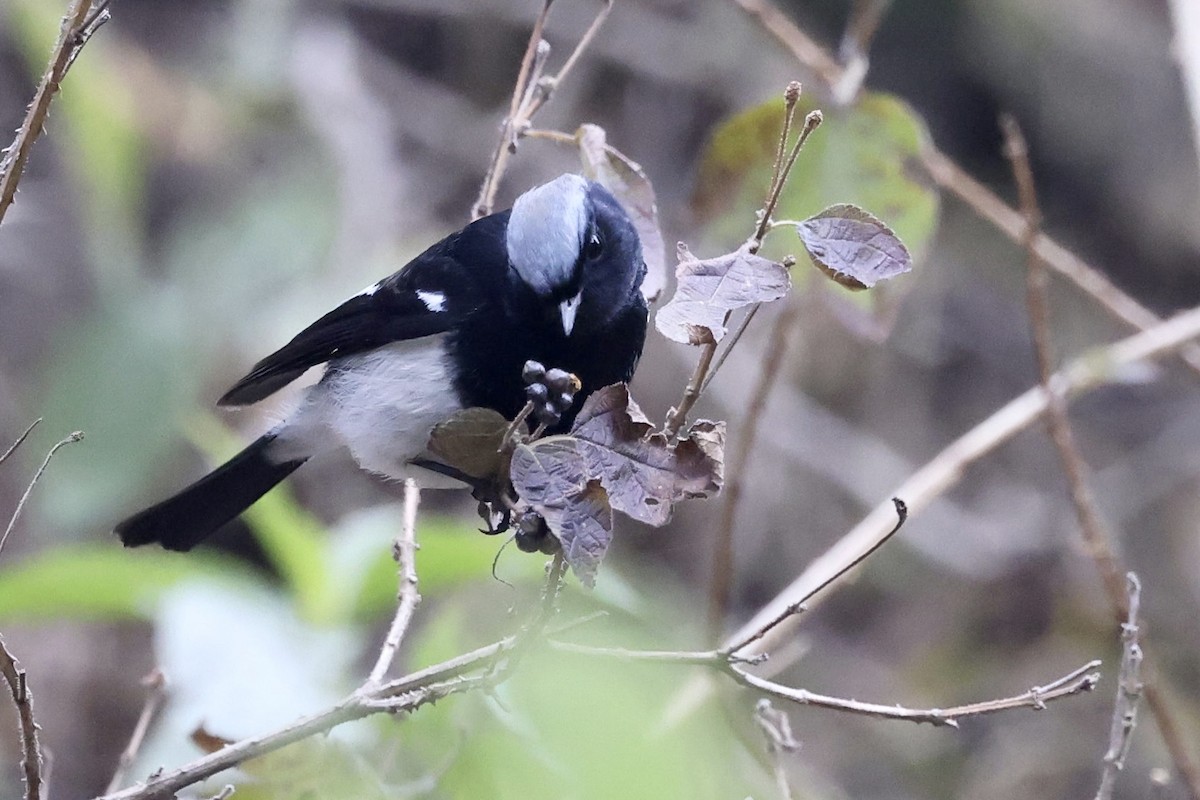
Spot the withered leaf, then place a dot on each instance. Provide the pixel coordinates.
(709, 289)
(551, 479)
(208, 742)
(853, 247)
(644, 473)
(584, 528)
(612, 459)
(469, 441)
(627, 181)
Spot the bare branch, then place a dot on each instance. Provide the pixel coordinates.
(530, 93)
(861, 27)
(790, 35)
(491, 181)
(77, 26)
(404, 551)
(777, 730)
(721, 578)
(20, 440)
(31, 749)
(156, 693)
(548, 84)
(1083, 679)
(811, 123)
(984, 202)
(691, 392)
(12, 522)
(1100, 542)
(1129, 691)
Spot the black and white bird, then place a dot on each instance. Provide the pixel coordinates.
(555, 279)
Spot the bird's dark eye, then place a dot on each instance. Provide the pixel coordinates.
(594, 247)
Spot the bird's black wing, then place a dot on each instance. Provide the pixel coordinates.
(427, 297)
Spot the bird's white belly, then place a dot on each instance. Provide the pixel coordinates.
(382, 405)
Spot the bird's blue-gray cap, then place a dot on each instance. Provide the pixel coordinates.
(546, 230)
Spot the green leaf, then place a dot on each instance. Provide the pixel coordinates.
(104, 581)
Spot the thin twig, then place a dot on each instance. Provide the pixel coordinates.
(530, 93)
(478, 669)
(1129, 691)
(691, 392)
(1082, 679)
(74, 437)
(515, 425)
(559, 137)
(225, 793)
(491, 181)
(801, 605)
(783, 167)
(548, 84)
(811, 122)
(1097, 367)
(1095, 534)
(777, 730)
(721, 577)
(20, 440)
(792, 610)
(861, 27)
(405, 551)
(791, 96)
(1099, 540)
(791, 36)
(16, 156)
(156, 692)
(31, 749)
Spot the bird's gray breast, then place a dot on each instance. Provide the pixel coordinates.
(381, 405)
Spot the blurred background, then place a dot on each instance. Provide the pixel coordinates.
(219, 173)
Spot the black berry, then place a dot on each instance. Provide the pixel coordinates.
(533, 372)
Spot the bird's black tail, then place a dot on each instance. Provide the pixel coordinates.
(181, 522)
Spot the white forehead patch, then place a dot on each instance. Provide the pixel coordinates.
(546, 230)
(434, 301)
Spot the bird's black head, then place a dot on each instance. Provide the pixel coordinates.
(574, 246)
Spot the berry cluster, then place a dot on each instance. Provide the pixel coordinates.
(552, 392)
(533, 534)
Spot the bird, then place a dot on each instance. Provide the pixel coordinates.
(554, 279)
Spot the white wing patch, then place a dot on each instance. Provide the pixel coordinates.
(434, 301)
